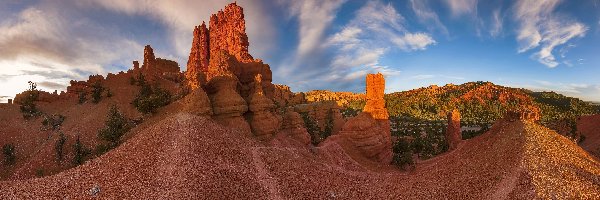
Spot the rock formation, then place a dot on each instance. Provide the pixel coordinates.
(293, 126)
(197, 103)
(228, 32)
(369, 132)
(453, 133)
(198, 61)
(10, 101)
(375, 92)
(227, 104)
(77, 87)
(263, 122)
(153, 67)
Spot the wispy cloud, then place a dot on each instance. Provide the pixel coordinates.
(497, 23)
(462, 7)
(427, 16)
(432, 76)
(541, 27)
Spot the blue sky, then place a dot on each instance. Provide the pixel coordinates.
(310, 44)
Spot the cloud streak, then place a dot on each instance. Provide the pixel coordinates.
(541, 28)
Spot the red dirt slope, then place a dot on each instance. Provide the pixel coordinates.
(185, 156)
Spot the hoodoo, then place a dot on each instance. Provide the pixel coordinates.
(453, 134)
(369, 132)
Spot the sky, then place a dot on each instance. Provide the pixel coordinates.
(542, 45)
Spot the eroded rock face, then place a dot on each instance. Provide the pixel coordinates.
(369, 132)
(263, 122)
(227, 104)
(341, 98)
(293, 126)
(197, 103)
(228, 32)
(453, 133)
(199, 57)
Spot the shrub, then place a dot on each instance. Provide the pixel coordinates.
(328, 125)
(59, 146)
(9, 154)
(131, 80)
(39, 172)
(115, 127)
(80, 152)
(97, 90)
(108, 93)
(28, 107)
(402, 153)
(52, 122)
(82, 97)
(311, 127)
(150, 98)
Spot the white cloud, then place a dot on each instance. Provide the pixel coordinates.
(314, 17)
(541, 27)
(461, 7)
(413, 41)
(427, 16)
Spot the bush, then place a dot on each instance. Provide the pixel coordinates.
(150, 98)
(403, 154)
(115, 127)
(52, 122)
(80, 152)
(82, 97)
(108, 93)
(97, 90)
(28, 107)
(9, 154)
(59, 146)
(311, 127)
(39, 172)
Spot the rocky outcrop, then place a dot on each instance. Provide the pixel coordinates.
(341, 98)
(197, 103)
(369, 132)
(262, 121)
(78, 87)
(153, 67)
(375, 92)
(10, 101)
(293, 126)
(228, 32)
(227, 104)
(453, 133)
(199, 58)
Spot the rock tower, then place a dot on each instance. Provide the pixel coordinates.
(453, 133)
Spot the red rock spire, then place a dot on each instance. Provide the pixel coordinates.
(228, 32)
(199, 57)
